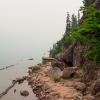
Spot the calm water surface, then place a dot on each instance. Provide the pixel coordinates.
(6, 76)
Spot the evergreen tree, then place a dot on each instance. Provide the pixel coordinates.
(74, 22)
(88, 2)
(68, 24)
(78, 16)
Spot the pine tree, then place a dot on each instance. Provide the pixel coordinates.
(74, 22)
(68, 24)
(88, 2)
(78, 16)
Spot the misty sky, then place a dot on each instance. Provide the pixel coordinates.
(30, 27)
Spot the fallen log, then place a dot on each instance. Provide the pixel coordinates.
(14, 82)
(6, 91)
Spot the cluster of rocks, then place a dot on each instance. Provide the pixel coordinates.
(59, 69)
(44, 91)
(39, 87)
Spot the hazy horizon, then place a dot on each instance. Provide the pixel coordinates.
(28, 28)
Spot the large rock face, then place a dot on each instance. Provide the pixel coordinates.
(72, 56)
(66, 56)
(91, 71)
(58, 64)
(88, 71)
(77, 54)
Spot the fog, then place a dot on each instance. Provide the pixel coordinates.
(28, 28)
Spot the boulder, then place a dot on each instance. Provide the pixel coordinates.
(24, 93)
(55, 72)
(14, 90)
(68, 73)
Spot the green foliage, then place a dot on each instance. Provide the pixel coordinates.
(88, 2)
(56, 79)
(74, 22)
(68, 24)
(35, 68)
(60, 45)
(89, 33)
(56, 49)
(66, 40)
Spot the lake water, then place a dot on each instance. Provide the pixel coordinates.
(17, 71)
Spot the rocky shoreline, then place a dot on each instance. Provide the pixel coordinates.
(47, 89)
(51, 83)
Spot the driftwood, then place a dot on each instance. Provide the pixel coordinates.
(6, 67)
(6, 91)
(14, 82)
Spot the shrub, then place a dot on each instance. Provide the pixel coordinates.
(56, 79)
(35, 68)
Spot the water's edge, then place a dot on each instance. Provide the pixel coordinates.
(14, 81)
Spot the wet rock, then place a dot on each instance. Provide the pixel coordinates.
(20, 80)
(68, 73)
(14, 90)
(30, 59)
(29, 71)
(30, 67)
(80, 86)
(24, 93)
(30, 82)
